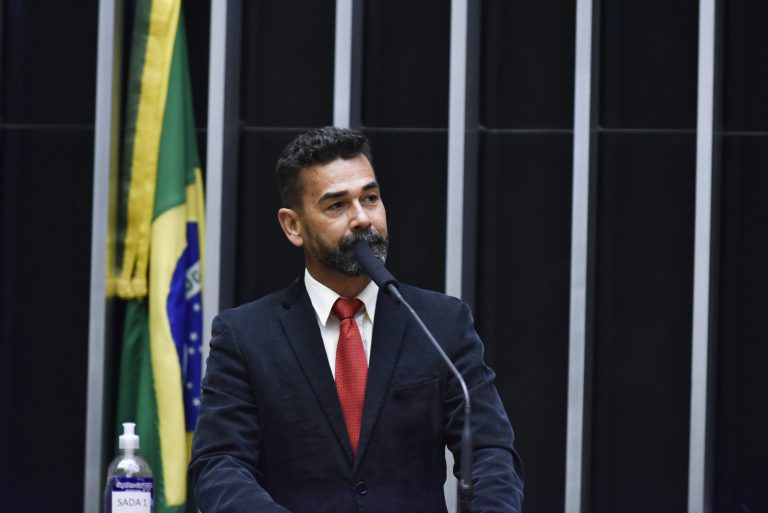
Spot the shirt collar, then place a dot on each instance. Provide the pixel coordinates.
(323, 298)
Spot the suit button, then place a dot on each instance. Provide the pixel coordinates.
(361, 488)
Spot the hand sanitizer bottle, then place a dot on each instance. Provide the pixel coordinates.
(129, 486)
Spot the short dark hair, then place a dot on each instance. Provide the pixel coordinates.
(316, 147)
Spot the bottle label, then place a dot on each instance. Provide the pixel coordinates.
(132, 494)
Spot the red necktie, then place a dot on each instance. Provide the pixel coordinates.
(351, 367)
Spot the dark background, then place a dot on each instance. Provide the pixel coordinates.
(645, 82)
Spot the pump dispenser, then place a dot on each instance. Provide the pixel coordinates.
(129, 440)
(130, 487)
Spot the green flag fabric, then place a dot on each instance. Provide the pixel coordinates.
(162, 252)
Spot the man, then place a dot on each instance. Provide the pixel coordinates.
(325, 396)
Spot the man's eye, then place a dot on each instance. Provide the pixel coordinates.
(372, 198)
(334, 206)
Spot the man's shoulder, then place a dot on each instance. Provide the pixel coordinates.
(419, 298)
(265, 305)
(429, 298)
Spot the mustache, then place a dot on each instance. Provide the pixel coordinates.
(372, 237)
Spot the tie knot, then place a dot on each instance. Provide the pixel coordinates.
(346, 308)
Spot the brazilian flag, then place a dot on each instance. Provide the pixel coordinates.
(160, 274)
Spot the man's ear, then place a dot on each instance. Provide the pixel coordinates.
(291, 225)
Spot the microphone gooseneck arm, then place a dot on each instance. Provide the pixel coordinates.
(384, 279)
(464, 495)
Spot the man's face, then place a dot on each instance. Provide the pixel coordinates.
(341, 204)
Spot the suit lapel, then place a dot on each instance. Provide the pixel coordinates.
(388, 332)
(300, 324)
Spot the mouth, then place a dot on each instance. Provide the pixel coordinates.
(373, 238)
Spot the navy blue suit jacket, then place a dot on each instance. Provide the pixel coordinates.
(271, 434)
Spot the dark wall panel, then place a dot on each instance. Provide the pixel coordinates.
(48, 61)
(648, 63)
(265, 260)
(287, 63)
(47, 88)
(523, 290)
(642, 347)
(198, 22)
(45, 231)
(527, 64)
(406, 52)
(741, 448)
(411, 169)
(745, 74)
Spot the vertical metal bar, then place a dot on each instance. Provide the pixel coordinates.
(222, 150)
(104, 169)
(577, 331)
(214, 183)
(457, 94)
(455, 194)
(342, 72)
(462, 149)
(697, 489)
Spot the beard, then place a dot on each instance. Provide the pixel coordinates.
(342, 257)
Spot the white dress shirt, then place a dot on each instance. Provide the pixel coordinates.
(323, 298)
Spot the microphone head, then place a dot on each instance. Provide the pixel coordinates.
(373, 266)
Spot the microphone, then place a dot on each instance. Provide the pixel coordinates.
(384, 279)
(373, 266)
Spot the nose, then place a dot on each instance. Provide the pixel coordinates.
(360, 219)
